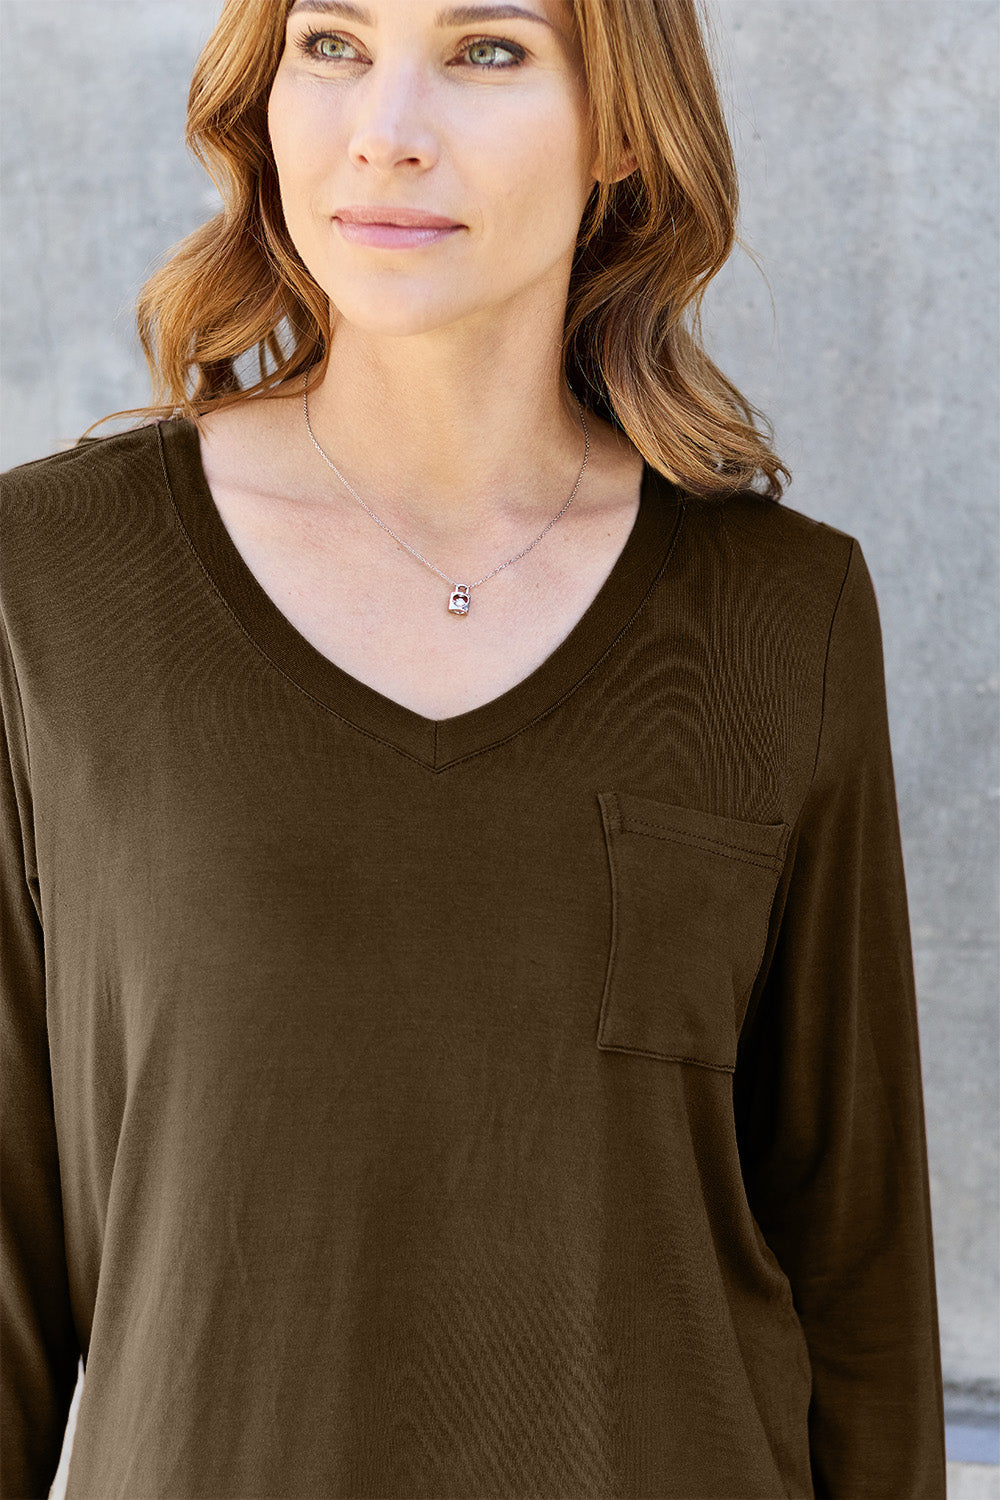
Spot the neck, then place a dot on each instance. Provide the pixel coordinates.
(455, 440)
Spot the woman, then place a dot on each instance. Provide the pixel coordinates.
(461, 1030)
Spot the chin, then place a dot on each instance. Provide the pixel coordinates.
(397, 315)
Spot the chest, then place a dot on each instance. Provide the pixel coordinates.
(367, 604)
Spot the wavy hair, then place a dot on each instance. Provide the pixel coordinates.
(648, 246)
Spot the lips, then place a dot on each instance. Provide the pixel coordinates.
(383, 213)
(380, 236)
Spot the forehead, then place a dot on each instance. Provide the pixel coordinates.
(544, 12)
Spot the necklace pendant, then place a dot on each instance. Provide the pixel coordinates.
(460, 601)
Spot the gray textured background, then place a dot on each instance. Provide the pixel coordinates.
(866, 132)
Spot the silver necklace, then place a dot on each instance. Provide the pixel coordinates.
(460, 599)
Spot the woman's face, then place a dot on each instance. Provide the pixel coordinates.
(476, 114)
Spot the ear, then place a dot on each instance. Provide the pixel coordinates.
(624, 167)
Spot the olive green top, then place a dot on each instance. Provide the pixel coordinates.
(521, 1104)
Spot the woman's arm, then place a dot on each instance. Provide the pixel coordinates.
(829, 1103)
(39, 1349)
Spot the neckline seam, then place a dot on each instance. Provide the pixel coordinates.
(435, 730)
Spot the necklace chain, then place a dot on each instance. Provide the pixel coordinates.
(460, 597)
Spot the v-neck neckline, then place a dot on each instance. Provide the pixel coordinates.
(436, 743)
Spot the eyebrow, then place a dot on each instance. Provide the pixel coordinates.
(461, 15)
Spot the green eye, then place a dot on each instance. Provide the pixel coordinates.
(322, 44)
(481, 47)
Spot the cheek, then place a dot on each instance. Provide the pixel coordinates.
(531, 167)
(529, 142)
(300, 138)
(278, 117)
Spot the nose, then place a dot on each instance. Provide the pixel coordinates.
(390, 126)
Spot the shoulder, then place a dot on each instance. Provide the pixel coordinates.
(80, 490)
(74, 522)
(773, 550)
(90, 466)
(782, 535)
(773, 578)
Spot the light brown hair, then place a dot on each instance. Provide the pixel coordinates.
(647, 249)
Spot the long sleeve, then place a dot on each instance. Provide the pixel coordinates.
(829, 1102)
(39, 1348)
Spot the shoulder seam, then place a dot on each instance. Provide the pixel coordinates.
(18, 705)
(826, 664)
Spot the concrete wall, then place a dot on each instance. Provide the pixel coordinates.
(866, 132)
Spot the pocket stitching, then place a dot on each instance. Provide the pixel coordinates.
(696, 1062)
(671, 835)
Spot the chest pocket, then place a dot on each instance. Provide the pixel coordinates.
(691, 897)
